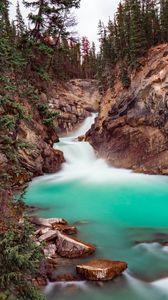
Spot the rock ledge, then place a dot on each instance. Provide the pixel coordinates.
(102, 270)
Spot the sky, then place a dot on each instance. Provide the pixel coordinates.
(88, 16)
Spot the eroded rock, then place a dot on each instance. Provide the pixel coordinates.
(47, 222)
(131, 130)
(65, 229)
(102, 270)
(71, 247)
(48, 236)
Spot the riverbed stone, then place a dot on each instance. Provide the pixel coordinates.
(47, 222)
(101, 270)
(71, 247)
(48, 236)
(65, 229)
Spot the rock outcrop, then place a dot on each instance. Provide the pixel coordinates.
(102, 270)
(71, 247)
(74, 101)
(53, 231)
(131, 130)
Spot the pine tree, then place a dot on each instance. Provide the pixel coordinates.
(151, 22)
(164, 20)
(138, 42)
(5, 35)
(121, 31)
(20, 25)
(19, 260)
(51, 15)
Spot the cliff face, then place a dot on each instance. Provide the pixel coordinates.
(131, 130)
(26, 150)
(73, 100)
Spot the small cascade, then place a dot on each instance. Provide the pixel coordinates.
(82, 163)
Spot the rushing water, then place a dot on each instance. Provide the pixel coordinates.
(115, 209)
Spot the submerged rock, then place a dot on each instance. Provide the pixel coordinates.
(71, 247)
(102, 270)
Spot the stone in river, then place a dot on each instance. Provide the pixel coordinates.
(102, 270)
(71, 247)
(48, 236)
(65, 229)
(82, 222)
(47, 222)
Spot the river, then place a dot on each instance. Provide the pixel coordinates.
(116, 210)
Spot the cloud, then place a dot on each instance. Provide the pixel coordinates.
(89, 14)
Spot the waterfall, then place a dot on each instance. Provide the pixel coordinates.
(82, 163)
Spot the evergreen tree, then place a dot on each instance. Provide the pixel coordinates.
(19, 261)
(51, 15)
(138, 42)
(164, 20)
(20, 25)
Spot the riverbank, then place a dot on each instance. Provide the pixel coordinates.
(103, 202)
(60, 245)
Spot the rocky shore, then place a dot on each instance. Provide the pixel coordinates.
(60, 246)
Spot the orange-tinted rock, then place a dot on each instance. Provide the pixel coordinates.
(65, 229)
(102, 270)
(71, 247)
(131, 130)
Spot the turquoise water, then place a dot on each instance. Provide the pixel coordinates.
(119, 209)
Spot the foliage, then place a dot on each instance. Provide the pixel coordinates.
(19, 258)
(137, 26)
(48, 116)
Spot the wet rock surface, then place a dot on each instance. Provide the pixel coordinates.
(71, 247)
(131, 129)
(74, 101)
(61, 249)
(102, 270)
(47, 222)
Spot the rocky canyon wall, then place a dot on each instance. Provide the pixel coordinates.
(131, 130)
(74, 101)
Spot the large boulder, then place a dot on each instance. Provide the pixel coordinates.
(102, 270)
(71, 247)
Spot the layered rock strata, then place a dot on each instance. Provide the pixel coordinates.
(131, 130)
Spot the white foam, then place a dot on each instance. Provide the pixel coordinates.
(82, 163)
(62, 284)
(161, 284)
